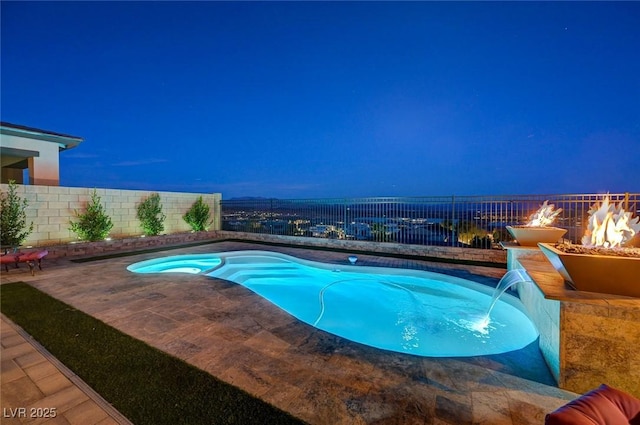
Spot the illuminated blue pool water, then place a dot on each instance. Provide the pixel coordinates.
(409, 311)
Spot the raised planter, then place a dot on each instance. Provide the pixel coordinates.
(127, 244)
(531, 236)
(606, 274)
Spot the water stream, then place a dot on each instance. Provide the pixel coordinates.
(511, 278)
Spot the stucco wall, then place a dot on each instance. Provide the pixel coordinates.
(51, 208)
(43, 169)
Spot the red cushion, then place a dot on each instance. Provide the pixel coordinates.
(9, 258)
(602, 406)
(628, 404)
(35, 255)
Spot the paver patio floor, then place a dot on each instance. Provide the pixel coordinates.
(238, 336)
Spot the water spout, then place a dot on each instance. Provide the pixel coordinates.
(510, 278)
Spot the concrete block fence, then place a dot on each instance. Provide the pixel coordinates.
(51, 208)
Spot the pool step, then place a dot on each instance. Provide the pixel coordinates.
(233, 272)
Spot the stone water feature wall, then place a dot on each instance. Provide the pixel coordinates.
(586, 338)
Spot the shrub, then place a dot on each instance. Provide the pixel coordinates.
(13, 218)
(467, 230)
(198, 216)
(481, 242)
(501, 234)
(151, 216)
(94, 224)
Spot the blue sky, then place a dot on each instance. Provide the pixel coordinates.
(341, 99)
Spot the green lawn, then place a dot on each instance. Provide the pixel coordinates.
(146, 385)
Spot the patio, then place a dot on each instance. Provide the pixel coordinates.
(230, 332)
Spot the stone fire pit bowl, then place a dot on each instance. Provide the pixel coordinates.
(530, 236)
(606, 274)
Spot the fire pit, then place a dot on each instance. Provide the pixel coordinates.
(538, 228)
(602, 263)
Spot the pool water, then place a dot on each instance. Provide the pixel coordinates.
(409, 311)
(192, 264)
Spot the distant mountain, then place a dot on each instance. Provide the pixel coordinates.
(249, 198)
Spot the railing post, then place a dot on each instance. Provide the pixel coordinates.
(344, 223)
(453, 226)
(626, 201)
(271, 216)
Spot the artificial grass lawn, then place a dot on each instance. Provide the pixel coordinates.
(146, 385)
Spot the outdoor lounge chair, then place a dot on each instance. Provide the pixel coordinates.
(33, 257)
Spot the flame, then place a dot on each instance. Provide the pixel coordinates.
(544, 216)
(610, 226)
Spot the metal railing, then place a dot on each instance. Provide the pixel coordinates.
(464, 221)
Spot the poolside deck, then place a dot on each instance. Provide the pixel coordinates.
(236, 335)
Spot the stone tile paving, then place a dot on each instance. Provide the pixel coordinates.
(238, 336)
(36, 389)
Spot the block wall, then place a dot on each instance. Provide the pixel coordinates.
(51, 208)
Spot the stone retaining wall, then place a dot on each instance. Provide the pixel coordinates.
(90, 249)
(81, 249)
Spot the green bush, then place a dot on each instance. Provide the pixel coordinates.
(94, 224)
(481, 242)
(198, 216)
(467, 230)
(501, 234)
(151, 216)
(13, 218)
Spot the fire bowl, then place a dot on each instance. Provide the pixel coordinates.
(606, 274)
(530, 236)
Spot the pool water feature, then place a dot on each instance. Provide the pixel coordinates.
(509, 280)
(409, 311)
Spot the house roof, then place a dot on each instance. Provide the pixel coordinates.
(65, 141)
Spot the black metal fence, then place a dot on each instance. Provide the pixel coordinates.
(465, 221)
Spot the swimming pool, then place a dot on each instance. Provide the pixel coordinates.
(409, 311)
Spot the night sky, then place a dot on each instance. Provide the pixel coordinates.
(318, 99)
